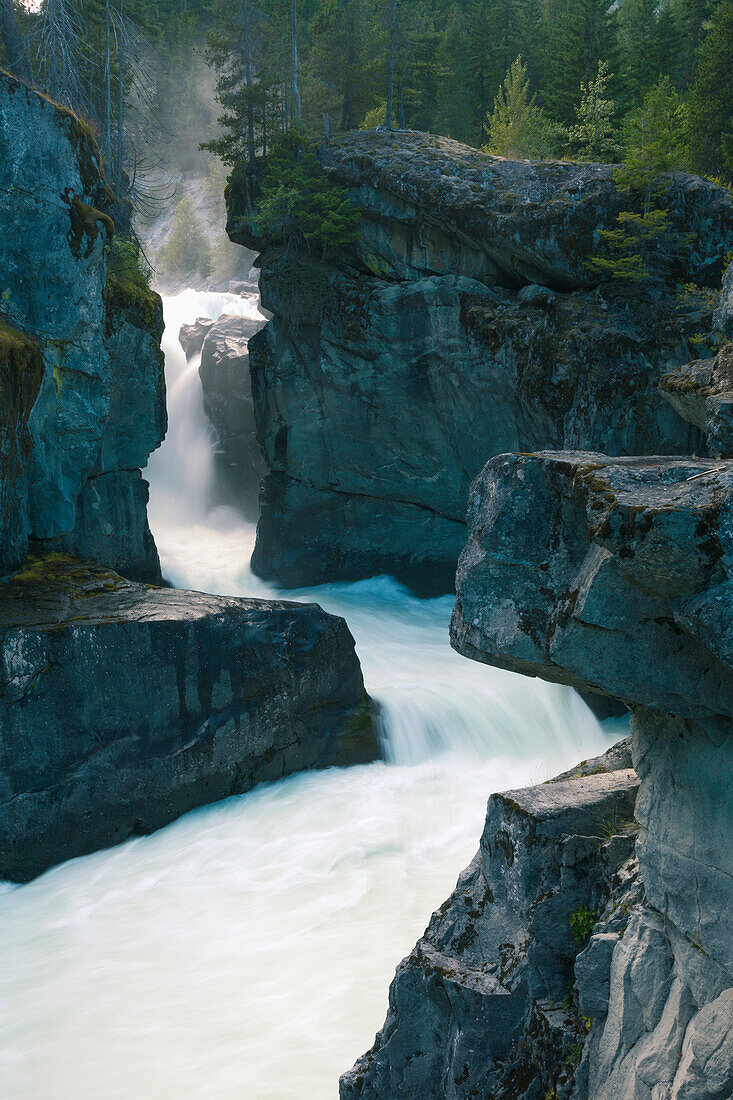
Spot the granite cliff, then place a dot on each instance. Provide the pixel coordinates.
(586, 952)
(122, 703)
(463, 322)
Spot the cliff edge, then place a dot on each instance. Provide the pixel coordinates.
(463, 321)
(80, 357)
(586, 952)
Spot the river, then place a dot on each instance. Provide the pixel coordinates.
(246, 950)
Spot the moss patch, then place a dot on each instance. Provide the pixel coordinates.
(21, 372)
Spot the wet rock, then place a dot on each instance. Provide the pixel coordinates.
(191, 337)
(633, 556)
(632, 553)
(227, 391)
(124, 705)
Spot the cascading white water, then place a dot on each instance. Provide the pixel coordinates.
(245, 951)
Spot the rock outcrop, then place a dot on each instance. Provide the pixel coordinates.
(480, 1008)
(463, 322)
(191, 337)
(227, 393)
(613, 575)
(702, 392)
(88, 403)
(124, 705)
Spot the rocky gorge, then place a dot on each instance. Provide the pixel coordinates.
(464, 321)
(586, 951)
(122, 703)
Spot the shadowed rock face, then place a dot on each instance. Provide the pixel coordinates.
(702, 392)
(612, 575)
(463, 322)
(477, 1009)
(123, 705)
(94, 401)
(227, 394)
(625, 586)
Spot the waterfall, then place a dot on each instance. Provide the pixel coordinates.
(246, 949)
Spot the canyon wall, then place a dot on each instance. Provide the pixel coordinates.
(92, 405)
(122, 703)
(464, 321)
(586, 952)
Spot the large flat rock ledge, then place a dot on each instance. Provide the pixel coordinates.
(123, 705)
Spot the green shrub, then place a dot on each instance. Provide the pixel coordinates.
(128, 277)
(297, 204)
(581, 922)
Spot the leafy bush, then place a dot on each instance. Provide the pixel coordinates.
(376, 117)
(581, 922)
(296, 201)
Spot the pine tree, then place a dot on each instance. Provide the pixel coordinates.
(638, 44)
(186, 248)
(656, 136)
(517, 127)
(594, 135)
(711, 103)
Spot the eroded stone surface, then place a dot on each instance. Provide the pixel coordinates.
(702, 392)
(124, 705)
(462, 323)
(480, 1007)
(99, 405)
(227, 391)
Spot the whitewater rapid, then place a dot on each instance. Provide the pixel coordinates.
(245, 951)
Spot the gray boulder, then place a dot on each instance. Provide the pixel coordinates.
(227, 391)
(191, 337)
(124, 705)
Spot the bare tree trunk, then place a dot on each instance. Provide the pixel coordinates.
(17, 60)
(120, 101)
(390, 67)
(294, 42)
(108, 89)
(248, 80)
(54, 60)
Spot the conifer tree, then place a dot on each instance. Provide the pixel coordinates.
(594, 134)
(711, 104)
(517, 127)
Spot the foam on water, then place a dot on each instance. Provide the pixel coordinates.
(245, 951)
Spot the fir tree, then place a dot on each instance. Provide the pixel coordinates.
(594, 135)
(711, 104)
(517, 127)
